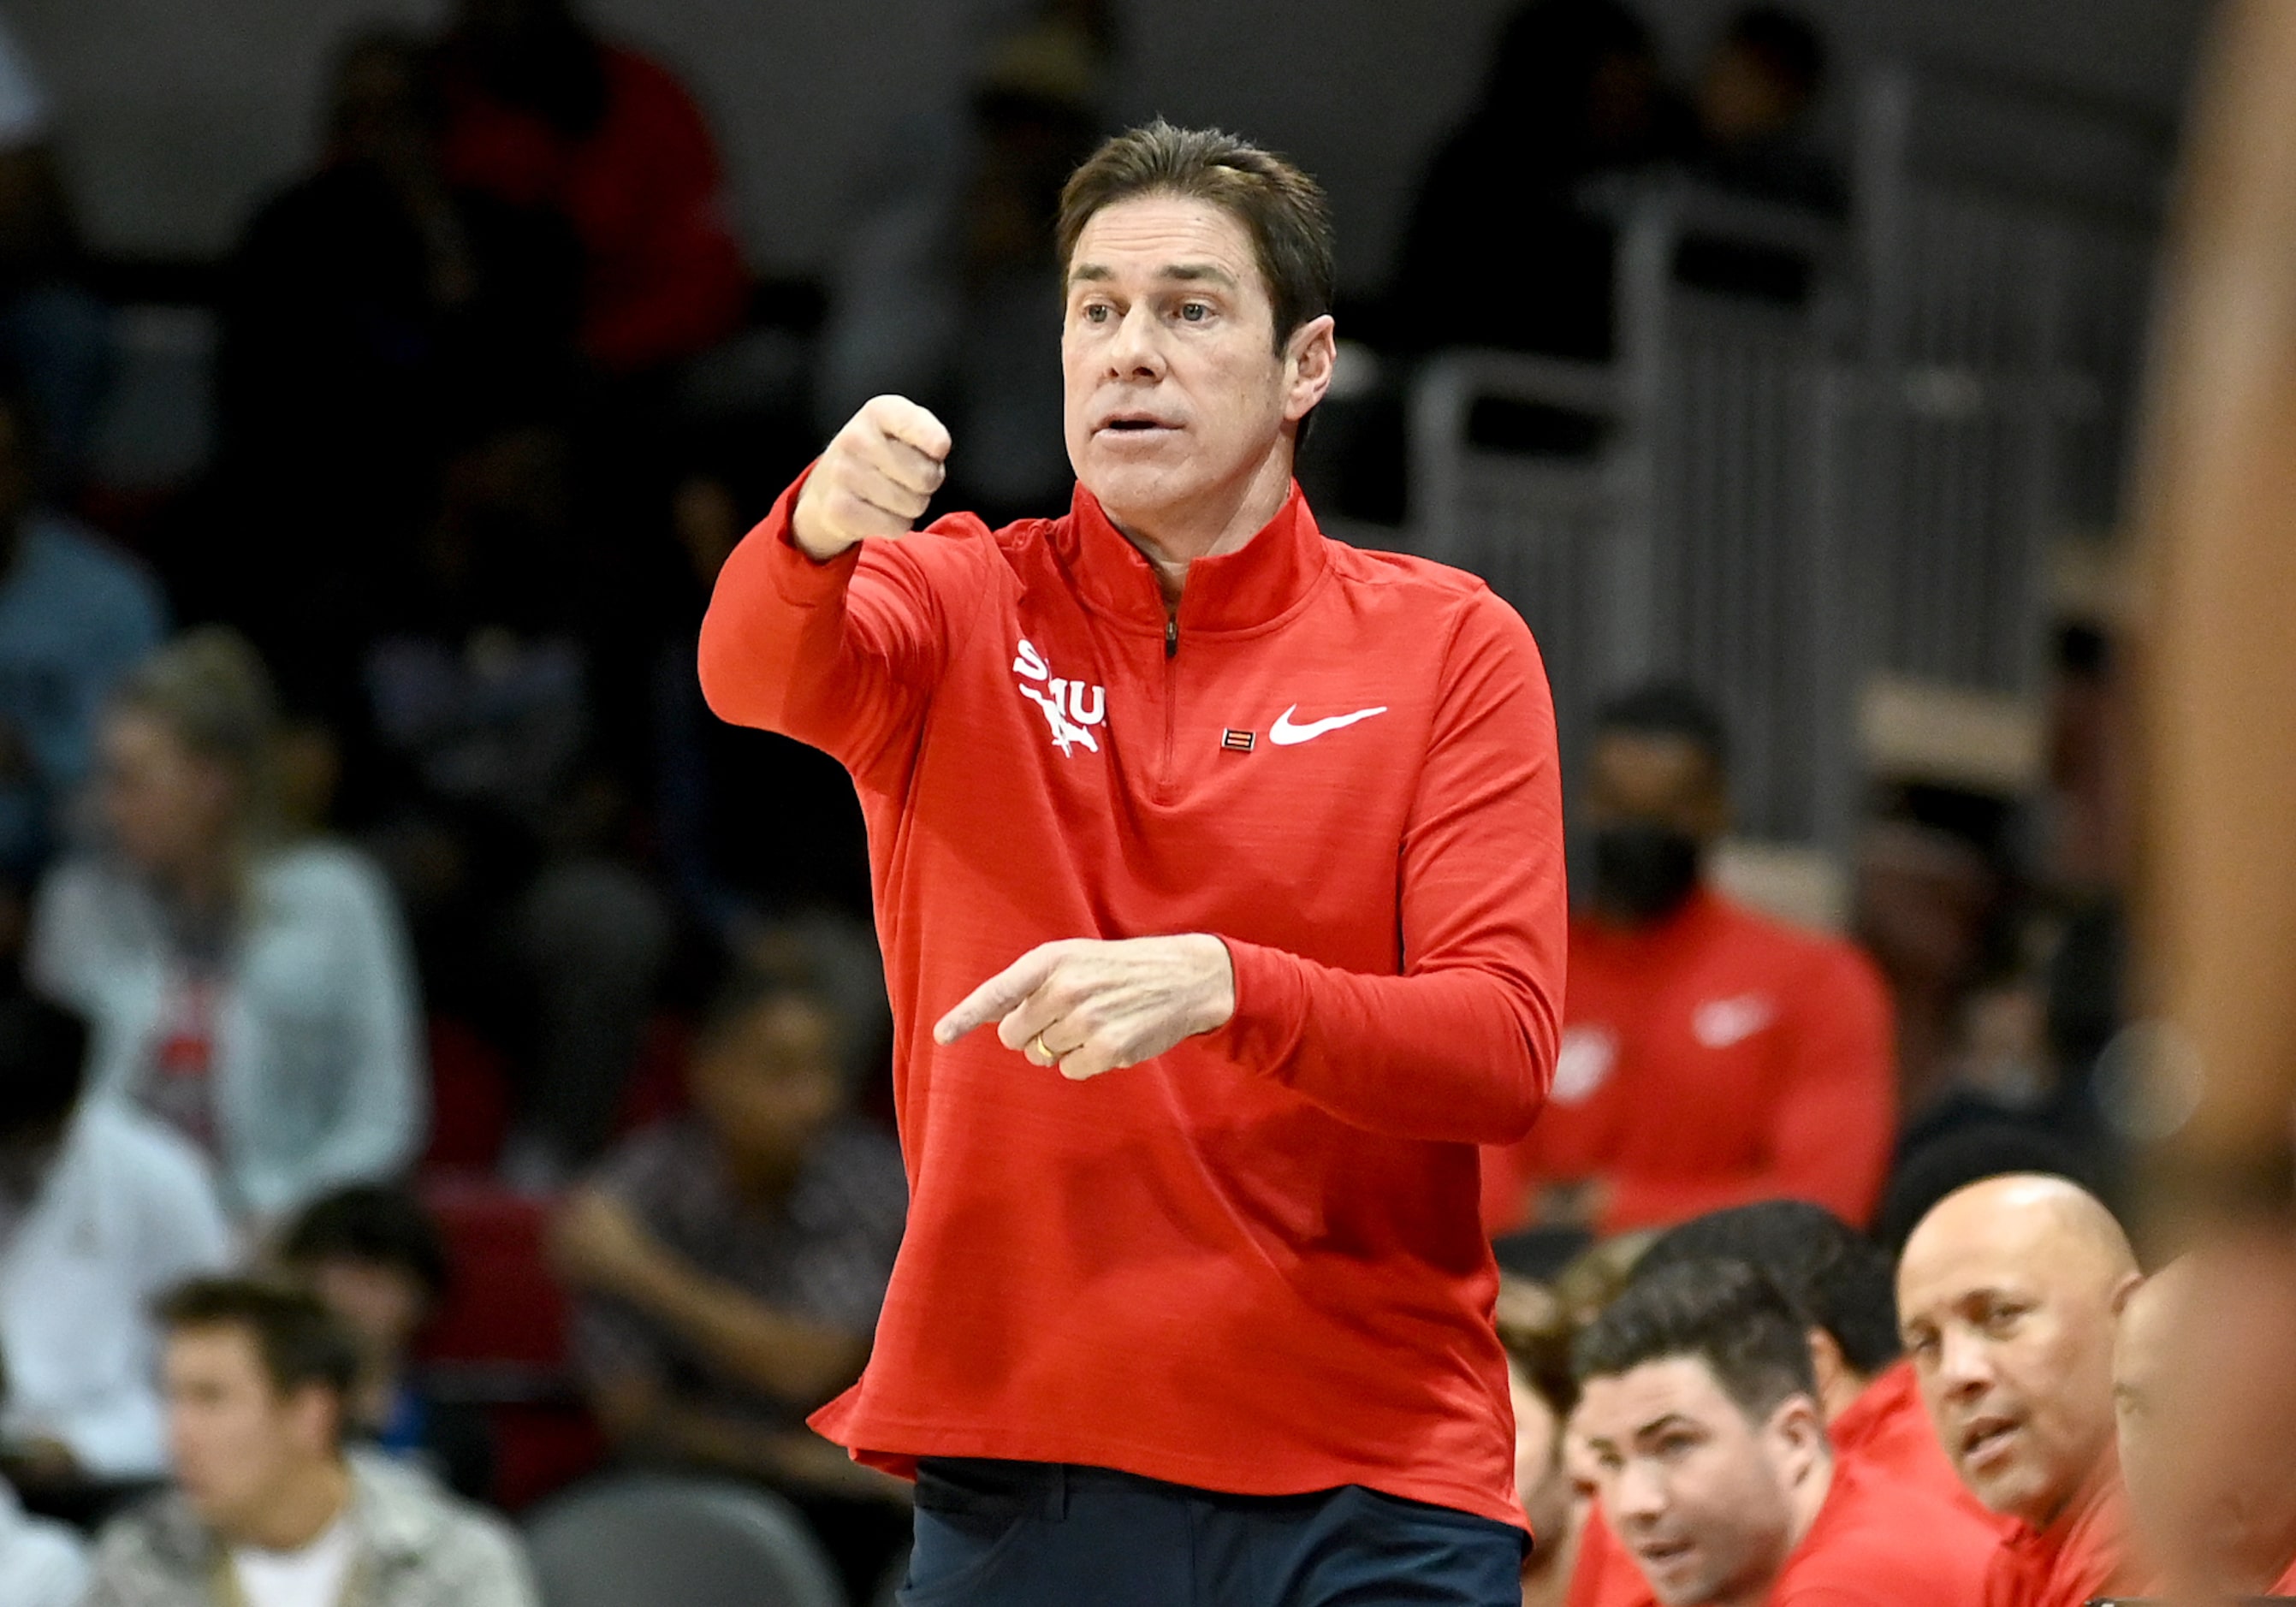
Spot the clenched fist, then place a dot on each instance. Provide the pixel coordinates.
(874, 480)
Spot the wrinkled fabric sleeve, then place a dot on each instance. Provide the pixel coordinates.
(843, 656)
(1460, 1046)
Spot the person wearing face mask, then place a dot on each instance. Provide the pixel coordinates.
(1712, 1056)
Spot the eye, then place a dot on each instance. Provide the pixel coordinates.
(1096, 312)
(2001, 1321)
(1195, 312)
(1674, 1448)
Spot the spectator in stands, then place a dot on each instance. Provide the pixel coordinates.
(269, 1509)
(950, 292)
(75, 614)
(42, 1563)
(372, 313)
(374, 1255)
(1544, 1392)
(252, 991)
(540, 111)
(2207, 1415)
(1574, 92)
(100, 1208)
(1710, 1056)
(52, 332)
(493, 804)
(1702, 1424)
(2007, 1297)
(1755, 98)
(731, 1264)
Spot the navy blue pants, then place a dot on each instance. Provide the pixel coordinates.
(1032, 1533)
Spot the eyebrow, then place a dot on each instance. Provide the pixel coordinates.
(1176, 273)
(1657, 1425)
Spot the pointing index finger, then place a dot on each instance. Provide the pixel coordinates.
(1000, 995)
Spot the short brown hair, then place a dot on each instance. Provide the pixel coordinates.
(301, 1341)
(1282, 209)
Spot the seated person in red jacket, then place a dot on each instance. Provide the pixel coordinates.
(1543, 1392)
(1700, 1422)
(2207, 1409)
(729, 1264)
(540, 111)
(1838, 1281)
(2007, 1297)
(1710, 1056)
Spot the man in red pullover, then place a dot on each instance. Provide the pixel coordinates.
(2008, 1292)
(1710, 1056)
(1838, 1282)
(1699, 1414)
(1255, 839)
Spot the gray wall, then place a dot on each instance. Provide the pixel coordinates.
(176, 115)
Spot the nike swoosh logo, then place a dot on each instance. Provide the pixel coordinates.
(1283, 733)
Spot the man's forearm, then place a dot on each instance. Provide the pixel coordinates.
(798, 1363)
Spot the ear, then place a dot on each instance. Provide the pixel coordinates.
(1309, 356)
(2130, 1284)
(319, 1416)
(1797, 1429)
(1826, 1360)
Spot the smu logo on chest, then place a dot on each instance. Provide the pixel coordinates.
(1070, 708)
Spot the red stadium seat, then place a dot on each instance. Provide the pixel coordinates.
(469, 1099)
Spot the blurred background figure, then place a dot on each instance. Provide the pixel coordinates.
(1766, 1049)
(54, 331)
(375, 313)
(1544, 1392)
(540, 111)
(2206, 1415)
(1755, 101)
(43, 1563)
(948, 292)
(75, 613)
(732, 1263)
(267, 1504)
(374, 1255)
(1573, 91)
(2008, 1294)
(253, 991)
(101, 1210)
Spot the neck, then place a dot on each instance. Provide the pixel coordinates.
(1804, 1501)
(1223, 520)
(1838, 1392)
(307, 1506)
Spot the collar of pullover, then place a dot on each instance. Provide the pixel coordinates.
(1255, 585)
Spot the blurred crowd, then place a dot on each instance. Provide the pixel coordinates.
(438, 1037)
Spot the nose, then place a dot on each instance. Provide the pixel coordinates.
(1964, 1366)
(1637, 1494)
(1134, 351)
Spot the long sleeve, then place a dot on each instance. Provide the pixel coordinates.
(1836, 1112)
(843, 655)
(1460, 1046)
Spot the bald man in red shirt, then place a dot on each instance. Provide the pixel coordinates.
(1710, 1056)
(1248, 847)
(1698, 1417)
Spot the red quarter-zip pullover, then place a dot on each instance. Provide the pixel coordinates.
(1253, 1264)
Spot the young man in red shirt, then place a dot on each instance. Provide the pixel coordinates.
(1256, 840)
(2007, 1296)
(1710, 1056)
(1700, 1417)
(1838, 1282)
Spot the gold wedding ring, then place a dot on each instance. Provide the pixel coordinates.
(1045, 1057)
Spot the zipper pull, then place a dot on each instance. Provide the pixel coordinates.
(1171, 635)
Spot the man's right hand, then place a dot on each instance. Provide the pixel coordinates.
(874, 480)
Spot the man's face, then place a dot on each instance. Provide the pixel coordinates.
(1177, 393)
(237, 1443)
(1542, 1483)
(1644, 778)
(383, 1304)
(2012, 1340)
(769, 1082)
(2207, 1416)
(1698, 1492)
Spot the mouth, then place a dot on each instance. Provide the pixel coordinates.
(1985, 1442)
(1134, 426)
(1657, 1556)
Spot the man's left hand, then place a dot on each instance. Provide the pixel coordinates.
(1089, 1005)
